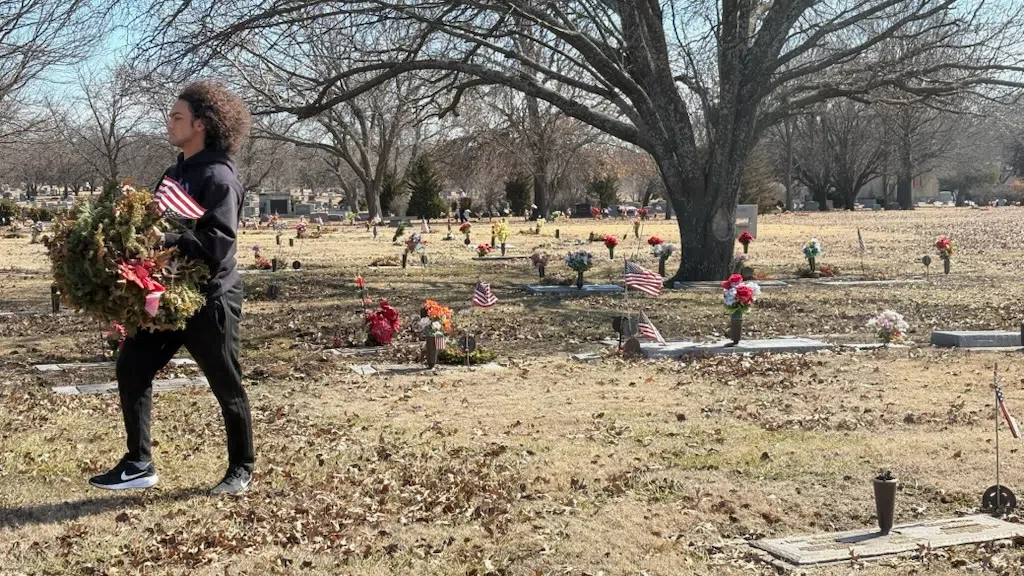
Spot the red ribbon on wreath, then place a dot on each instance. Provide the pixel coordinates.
(139, 275)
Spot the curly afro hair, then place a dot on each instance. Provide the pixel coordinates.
(223, 114)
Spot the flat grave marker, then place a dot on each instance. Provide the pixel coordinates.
(110, 387)
(588, 289)
(839, 546)
(773, 345)
(976, 338)
(90, 365)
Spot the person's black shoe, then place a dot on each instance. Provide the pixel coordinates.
(126, 476)
(235, 482)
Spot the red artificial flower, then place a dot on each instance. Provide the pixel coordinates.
(359, 282)
(642, 211)
(595, 212)
(732, 281)
(611, 241)
(654, 241)
(746, 238)
(744, 295)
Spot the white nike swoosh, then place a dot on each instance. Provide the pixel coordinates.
(125, 478)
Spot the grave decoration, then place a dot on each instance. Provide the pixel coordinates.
(540, 225)
(540, 261)
(37, 229)
(399, 232)
(580, 261)
(811, 251)
(642, 213)
(889, 326)
(610, 242)
(661, 251)
(885, 500)
(455, 354)
(596, 213)
(738, 296)
(381, 324)
(483, 250)
(464, 229)
(261, 263)
(945, 247)
(746, 239)
(737, 263)
(415, 244)
(636, 227)
(999, 498)
(114, 338)
(927, 261)
(435, 324)
(556, 215)
(107, 264)
(301, 229)
(361, 285)
(502, 232)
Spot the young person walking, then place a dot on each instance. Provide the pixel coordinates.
(208, 123)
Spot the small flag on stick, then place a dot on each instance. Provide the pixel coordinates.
(639, 278)
(648, 330)
(171, 196)
(1010, 422)
(482, 295)
(860, 242)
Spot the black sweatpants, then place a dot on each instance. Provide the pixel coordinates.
(212, 337)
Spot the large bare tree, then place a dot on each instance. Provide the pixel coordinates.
(695, 83)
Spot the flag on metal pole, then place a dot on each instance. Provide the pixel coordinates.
(648, 330)
(482, 295)
(1011, 423)
(860, 242)
(639, 278)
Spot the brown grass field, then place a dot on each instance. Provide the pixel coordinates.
(549, 466)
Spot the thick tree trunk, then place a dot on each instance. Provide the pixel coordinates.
(707, 222)
(540, 188)
(372, 200)
(905, 179)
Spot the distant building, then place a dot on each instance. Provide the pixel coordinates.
(276, 203)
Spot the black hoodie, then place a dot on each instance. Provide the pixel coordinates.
(209, 177)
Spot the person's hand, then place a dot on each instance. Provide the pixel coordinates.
(155, 234)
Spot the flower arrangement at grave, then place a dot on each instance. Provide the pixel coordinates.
(300, 229)
(636, 227)
(483, 250)
(610, 242)
(579, 261)
(745, 239)
(261, 263)
(114, 338)
(811, 251)
(738, 297)
(452, 354)
(37, 229)
(660, 250)
(556, 215)
(415, 245)
(435, 319)
(501, 232)
(351, 217)
(106, 264)
(642, 213)
(889, 326)
(737, 263)
(595, 212)
(945, 248)
(381, 324)
(464, 229)
(540, 262)
(540, 225)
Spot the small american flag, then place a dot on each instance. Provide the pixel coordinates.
(482, 295)
(171, 196)
(1010, 422)
(643, 280)
(860, 243)
(648, 330)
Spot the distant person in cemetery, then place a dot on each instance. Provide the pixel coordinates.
(208, 123)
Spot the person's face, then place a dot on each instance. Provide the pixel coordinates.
(181, 126)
